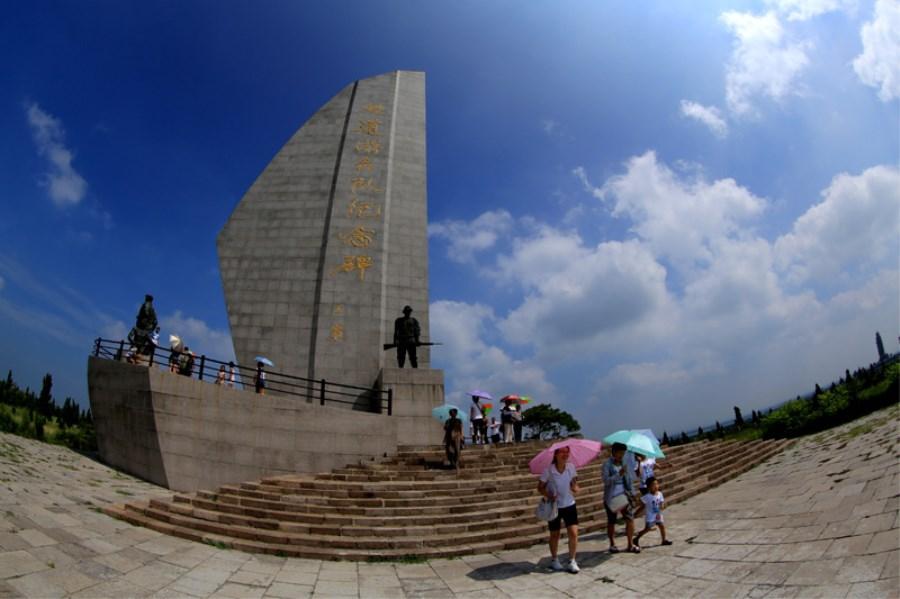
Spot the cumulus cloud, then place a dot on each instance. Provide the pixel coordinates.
(692, 311)
(471, 362)
(579, 296)
(708, 115)
(678, 217)
(465, 239)
(549, 126)
(64, 184)
(764, 62)
(856, 223)
(802, 10)
(879, 64)
(198, 335)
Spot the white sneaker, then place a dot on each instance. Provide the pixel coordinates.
(556, 566)
(573, 567)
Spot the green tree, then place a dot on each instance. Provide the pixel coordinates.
(45, 399)
(738, 418)
(546, 422)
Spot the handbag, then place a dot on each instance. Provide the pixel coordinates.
(546, 510)
(617, 503)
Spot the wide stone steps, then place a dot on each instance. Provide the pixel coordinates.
(400, 507)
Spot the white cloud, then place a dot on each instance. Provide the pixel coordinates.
(763, 63)
(471, 363)
(855, 224)
(802, 10)
(465, 239)
(694, 312)
(708, 115)
(578, 296)
(679, 218)
(879, 64)
(115, 330)
(198, 336)
(64, 184)
(549, 126)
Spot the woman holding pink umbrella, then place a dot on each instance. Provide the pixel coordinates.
(558, 481)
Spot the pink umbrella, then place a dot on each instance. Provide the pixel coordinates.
(581, 452)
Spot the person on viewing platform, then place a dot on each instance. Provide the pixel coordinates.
(231, 374)
(559, 482)
(654, 504)
(220, 377)
(453, 435)
(186, 362)
(618, 497)
(260, 379)
(174, 359)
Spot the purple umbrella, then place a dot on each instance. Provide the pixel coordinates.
(481, 394)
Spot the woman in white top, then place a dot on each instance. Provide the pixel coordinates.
(559, 482)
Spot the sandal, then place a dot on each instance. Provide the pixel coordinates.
(666, 542)
(634, 549)
(613, 549)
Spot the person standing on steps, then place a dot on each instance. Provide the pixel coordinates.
(453, 435)
(406, 338)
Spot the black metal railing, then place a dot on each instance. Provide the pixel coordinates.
(204, 368)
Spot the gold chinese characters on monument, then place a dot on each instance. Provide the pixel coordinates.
(364, 184)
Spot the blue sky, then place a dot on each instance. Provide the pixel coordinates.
(644, 213)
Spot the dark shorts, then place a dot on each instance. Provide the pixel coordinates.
(569, 514)
(627, 513)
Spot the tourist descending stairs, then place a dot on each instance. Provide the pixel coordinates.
(408, 506)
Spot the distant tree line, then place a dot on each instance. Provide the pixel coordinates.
(24, 413)
(853, 395)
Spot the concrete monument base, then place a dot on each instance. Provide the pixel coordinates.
(416, 393)
(187, 434)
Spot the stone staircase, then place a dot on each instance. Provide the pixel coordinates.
(408, 506)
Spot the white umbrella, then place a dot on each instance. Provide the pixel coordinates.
(175, 342)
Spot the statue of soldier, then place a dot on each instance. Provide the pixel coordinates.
(144, 326)
(406, 338)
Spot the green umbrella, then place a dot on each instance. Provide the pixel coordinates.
(636, 441)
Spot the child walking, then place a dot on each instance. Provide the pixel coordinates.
(654, 504)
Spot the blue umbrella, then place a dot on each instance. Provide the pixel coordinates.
(481, 394)
(264, 360)
(442, 413)
(637, 441)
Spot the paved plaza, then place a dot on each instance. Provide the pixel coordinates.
(818, 520)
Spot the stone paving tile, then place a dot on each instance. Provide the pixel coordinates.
(19, 563)
(290, 591)
(816, 573)
(827, 591)
(37, 584)
(888, 587)
(861, 568)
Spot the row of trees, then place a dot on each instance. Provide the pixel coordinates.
(22, 412)
(853, 395)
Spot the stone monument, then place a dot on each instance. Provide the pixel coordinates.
(330, 242)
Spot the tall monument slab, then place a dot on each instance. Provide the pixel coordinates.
(330, 242)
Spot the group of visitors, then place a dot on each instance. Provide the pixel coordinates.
(144, 339)
(510, 421)
(559, 483)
